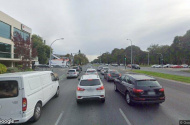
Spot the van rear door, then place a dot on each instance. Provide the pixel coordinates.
(10, 98)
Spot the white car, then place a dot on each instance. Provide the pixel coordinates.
(103, 70)
(185, 66)
(156, 66)
(72, 73)
(23, 94)
(90, 87)
(91, 72)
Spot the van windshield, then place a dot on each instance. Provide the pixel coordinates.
(8, 89)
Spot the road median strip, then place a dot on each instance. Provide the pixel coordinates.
(165, 76)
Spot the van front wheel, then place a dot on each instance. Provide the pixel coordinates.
(37, 112)
(57, 92)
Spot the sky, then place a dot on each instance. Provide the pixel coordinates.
(98, 26)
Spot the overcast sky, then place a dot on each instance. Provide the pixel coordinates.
(95, 26)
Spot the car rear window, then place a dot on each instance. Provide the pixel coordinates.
(71, 71)
(90, 82)
(114, 72)
(8, 89)
(147, 83)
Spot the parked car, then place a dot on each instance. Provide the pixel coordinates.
(185, 65)
(110, 75)
(90, 87)
(103, 70)
(72, 73)
(167, 65)
(114, 64)
(91, 71)
(156, 66)
(106, 64)
(121, 64)
(42, 66)
(23, 94)
(176, 66)
(139, 89)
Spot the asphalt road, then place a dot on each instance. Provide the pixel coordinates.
(115, 111)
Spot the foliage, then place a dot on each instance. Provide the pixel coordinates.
(80, 59)
(24, 50)
(12, 69)
(177, 53)
(3, 68)
(165, 76)
(42, 49)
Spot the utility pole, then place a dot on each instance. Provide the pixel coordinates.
(131, 53)
(148, 58)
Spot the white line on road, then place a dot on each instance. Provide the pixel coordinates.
(124, 116)
(59, 118)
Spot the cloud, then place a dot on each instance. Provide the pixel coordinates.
(95, 26)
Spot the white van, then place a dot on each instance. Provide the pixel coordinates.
(22, 95)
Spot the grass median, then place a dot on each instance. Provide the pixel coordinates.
(165, 76)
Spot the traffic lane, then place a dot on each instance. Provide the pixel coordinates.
(91, 112)
(176, 106)
(166, 70)
(139, 114)
(53, 108)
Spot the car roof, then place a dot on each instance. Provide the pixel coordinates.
(85, 77)
(140, 77)
(89, 69)
(72, 69)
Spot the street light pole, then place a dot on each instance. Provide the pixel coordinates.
(131, 53)
(148, 58)
(162, 58)
(50, 51)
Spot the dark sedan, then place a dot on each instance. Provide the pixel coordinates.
(139, 89)
(110, 75)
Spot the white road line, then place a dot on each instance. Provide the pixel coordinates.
(59, 118)
(124, 116)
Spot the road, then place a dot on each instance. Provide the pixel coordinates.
(115, 111)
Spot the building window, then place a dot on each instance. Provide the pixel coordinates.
(5, 30)
(5, 50)
(23, 34)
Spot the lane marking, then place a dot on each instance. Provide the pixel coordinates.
(59, 118)
(124, 116)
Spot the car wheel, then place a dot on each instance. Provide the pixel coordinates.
(115, 88)
(78, 101)
(128, 99)
(57, 92)
(37, 112)
(103, 100)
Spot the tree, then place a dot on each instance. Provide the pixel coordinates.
(42, 49)
(24, 50)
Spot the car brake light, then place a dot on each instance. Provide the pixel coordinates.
(161, 90)
(100, 88)
(109, 75)
(137, 90)
(24, 104)
(80, 89)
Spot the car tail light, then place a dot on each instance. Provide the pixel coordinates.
(109, 75)
(24, 104)
(161, 90)
(161, 98)
(100, 88)
(80, 89)
(120, 75)
(79, 97)
(102, 96)
(137, 90)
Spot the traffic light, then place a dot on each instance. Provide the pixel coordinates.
(125, 57)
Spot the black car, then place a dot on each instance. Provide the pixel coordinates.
(110, 75)
(135, 66)
(139, 89)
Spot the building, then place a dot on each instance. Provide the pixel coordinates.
(60, 60)
(8, 26)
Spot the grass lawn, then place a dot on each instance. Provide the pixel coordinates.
(165, 76)
(186, 71)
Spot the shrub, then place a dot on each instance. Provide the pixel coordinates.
(3, 69)
(12, 69)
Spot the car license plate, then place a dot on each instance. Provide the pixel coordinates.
(151, 93)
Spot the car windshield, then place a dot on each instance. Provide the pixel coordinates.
(71, 70)
(90, 82)
(148, 83)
